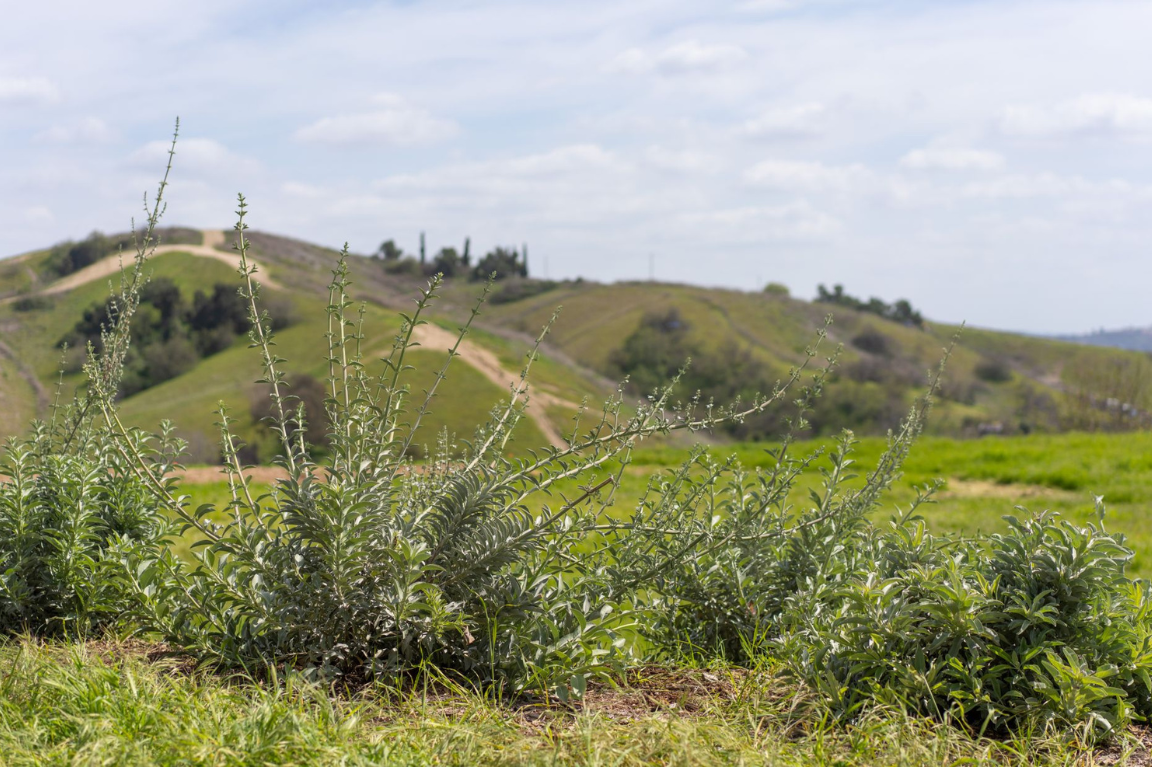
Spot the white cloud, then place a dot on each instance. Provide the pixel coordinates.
(498, 175)
(38, 215)
(767, 6)
(952, 158)
(90, 130)
(300, 189)
(799, 176)
(394, 123)
(685, 58)
(567, 159)
(28, 90)
(631, 62)
(798, 121)
(1053, 185)
(796, 220)
(1092, 114)
(680, 161)
(692, 56)
(196, 156)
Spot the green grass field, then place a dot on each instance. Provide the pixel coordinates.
(984, 480)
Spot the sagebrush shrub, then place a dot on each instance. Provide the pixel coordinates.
(729, 598)
(489, 567)
(1036, 627)
(74, 502)
(67, 520)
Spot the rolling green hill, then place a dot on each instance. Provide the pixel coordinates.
(996, 382)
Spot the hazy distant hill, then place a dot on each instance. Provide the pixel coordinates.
(1136, 339)
(740, 341)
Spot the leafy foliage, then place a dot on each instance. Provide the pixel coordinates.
(517, 289)
(74, 505)
(310, 394)
(729, 599)
(33, 303)
(993, 371)
(386, 565)
(1038, 627)
(500, 264)
(67, 518)
(656, 352)
(67, 257)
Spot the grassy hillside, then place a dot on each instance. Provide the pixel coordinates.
(996, 382)
(189, 400)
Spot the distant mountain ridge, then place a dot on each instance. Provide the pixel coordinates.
(1133, 339)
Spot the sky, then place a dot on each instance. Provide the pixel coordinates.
(989, 161)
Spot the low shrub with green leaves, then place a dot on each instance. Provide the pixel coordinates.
(366, 563)
(1035, 628)
(729, 599)
(67, 520)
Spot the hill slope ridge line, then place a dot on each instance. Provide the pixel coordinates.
(109, 266)
(488, 365)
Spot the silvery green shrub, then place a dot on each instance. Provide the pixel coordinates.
(512, 571)
(1035, 627)
(69, 514)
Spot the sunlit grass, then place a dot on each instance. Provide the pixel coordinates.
(123, 704)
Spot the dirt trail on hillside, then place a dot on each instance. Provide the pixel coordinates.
(110, 266)
(488, 365)
(213, 238)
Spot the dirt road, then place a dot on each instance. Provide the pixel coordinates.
(110, 266)
(488, 365)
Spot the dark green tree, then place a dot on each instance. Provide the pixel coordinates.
(448, 263)
(389, 251)
(504, 262)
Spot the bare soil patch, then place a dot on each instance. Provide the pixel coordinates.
(206, 475)
(981, 488)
